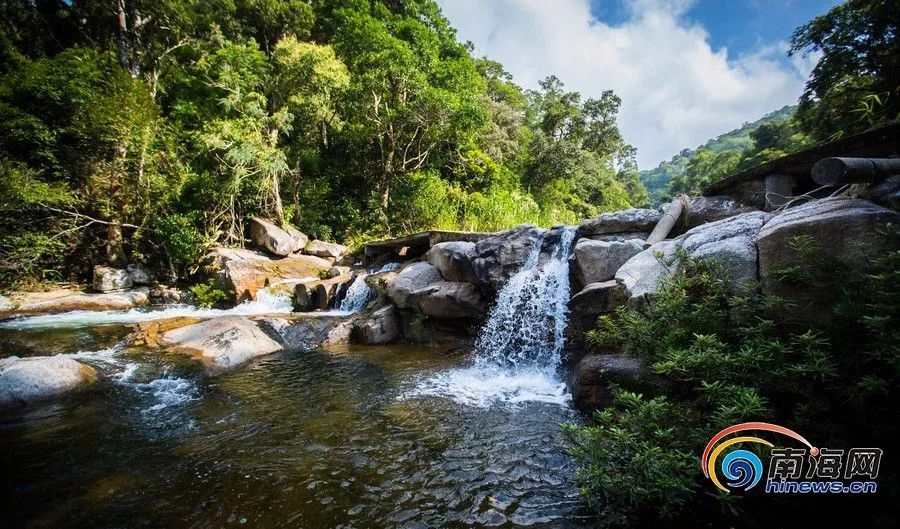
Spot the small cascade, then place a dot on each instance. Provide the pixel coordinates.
(360, 293)
(272, 300)
(518, 351)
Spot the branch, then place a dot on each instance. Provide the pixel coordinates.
(92, 219)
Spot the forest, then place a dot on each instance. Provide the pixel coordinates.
(149, 131)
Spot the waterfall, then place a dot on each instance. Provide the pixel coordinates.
(360, 293)
(518, 351)
(526, 327)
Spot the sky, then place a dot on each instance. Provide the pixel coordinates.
(686, 70)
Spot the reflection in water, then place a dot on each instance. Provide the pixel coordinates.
(303, 439)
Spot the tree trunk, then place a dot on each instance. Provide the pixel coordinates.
(115, 241)
(115, 246)
(122, 34)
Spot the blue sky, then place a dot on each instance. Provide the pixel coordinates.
(686, 70)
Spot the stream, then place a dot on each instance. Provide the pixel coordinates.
(340, 436)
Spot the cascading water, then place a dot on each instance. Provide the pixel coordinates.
(359, 293)
(517, 352)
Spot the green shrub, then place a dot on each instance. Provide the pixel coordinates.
(731, 357)
(208, 294)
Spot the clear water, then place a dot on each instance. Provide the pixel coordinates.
(518, 352)
(323, 438)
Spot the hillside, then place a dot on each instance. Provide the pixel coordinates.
(657, 180)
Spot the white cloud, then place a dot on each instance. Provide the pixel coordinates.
(676, 90)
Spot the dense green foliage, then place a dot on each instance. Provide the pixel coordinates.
(147, 131)
(731, 356)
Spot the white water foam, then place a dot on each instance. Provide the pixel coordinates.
(518, 351)
(360, 293)
(168, 391)
(269, 301)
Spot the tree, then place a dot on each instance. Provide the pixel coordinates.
(855, 83)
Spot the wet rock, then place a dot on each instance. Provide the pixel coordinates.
(642, 275)
(885, 193)
(499, 257)
(244, 277)
(591, 380)
(66, 300)
(267, 234)
(597, 261)
(446, 299)
(140, 274)
(453, 260)
(592, 301)
(710, 209)
(627, 236)
(335, 271)
(26, 380)
(849, 231)
(306, 331)
(167, 295)
(108, 279)
(401, 288)
(320, 294)
(325, 249)
(150, 333)
(221, 344)
(731, 242)
(629, 220)
(382, 326)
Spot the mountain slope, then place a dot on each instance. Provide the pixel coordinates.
(657, 180)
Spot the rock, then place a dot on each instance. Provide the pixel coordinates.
(150, 333)
(266, 234)
(591, 380)
(445, 299)
(325, 249)
(139, 274)
(885, 193)
(597, 261)
(108, 279)
(499, 257)
(66, 300)
(731, 242)
(244, 277)
(306, 331)
(219, 256)
(221, 344)
(414, 277)
(167, 295)
(335, 271)
(710, 209)
(453, 260)
(31, 379)
(380, 327)
(420, 329)
(643, 273)
(320, 294)
(6, 304)
(626, 236)
(592, 301)
(299, 237)
(629, 220)
(847, 230)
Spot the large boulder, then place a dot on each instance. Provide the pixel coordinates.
(244, 277)
(702, 210)
(591, 382)
(624, 236)
(643, 274)
(499, 257)
(26, 380)
(109, 279)
(319, 294)
(731, 242)
(592, 301)
(382, 326)
(597, 261)
(402, 287)
(453, 260)
(66, 300)
(850, 231)
(325, 249)
(446, 299)
(305, 331)
(629, 220)
(266, 234)
(221, 344)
